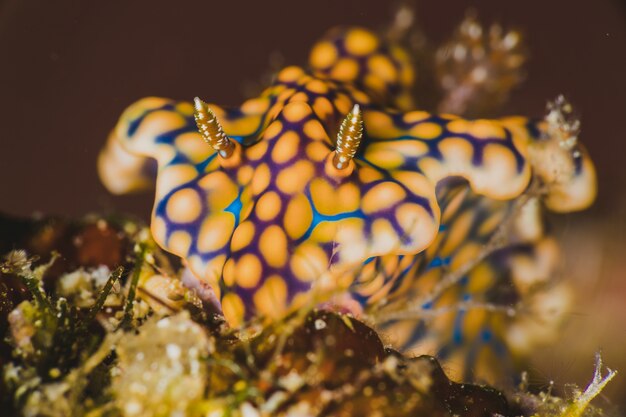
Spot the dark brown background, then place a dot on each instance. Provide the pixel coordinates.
(68, 68)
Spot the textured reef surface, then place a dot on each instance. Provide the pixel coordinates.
(322, 249)
(84, 337)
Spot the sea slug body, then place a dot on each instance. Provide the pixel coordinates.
(271, 222)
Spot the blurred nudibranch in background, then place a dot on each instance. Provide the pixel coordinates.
(330, 188)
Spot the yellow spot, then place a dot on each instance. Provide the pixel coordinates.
(298, 216)
(458, 196)
(448, 116)
(241, 125)
(184, 206)
(244, 174)
(271, 299)
(360, 42)
(329, 201)
(416, 182)
(407, 75)
(220, 190)
(173, 176)
(139, 107)
(272, 130)
(218, 110)
(406, 148)
(487, 129)
(343, 103)
(432, 168)
(255, 105)
(273, 246)
(491, 223)
(242, 236)
(375, 83)
(404, 100)
(348, 197)
(323, 55)
(185, 108)
(346, 69)
(368, 174)
(416, 116)
(380, 125)
(261, 179)
(317, 86)
(152, 125)
(373, 284)
(384, 237)
(233, 309)
(248, 271)
(473, 323)
(383, 68)
(351, 242)
(426, 130)
(257, 151)
(360, 97)
(514, 121)
(216, 231)
(246, 209)
(193, 147)
(300, 97)
(268, 206)
(400, 54)
(323, 107)
(314, 130)
(418, 225)
(390, 265)
(294, 178)
(502, 180)
(246, 195)
(382, 196)
(323, 196)
(481, 278)
(457, 153)
(384, 156)
(290, 74)
(280, 102)
(296, 111)
(179, 243)
(324, 231)
(286, 147)
(304, 79)
(317, 151)
(165, 153)
(309, 262)
(465, 254)
(457, 126)
(229, 272)
(457, 234)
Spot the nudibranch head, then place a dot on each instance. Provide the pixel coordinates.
(281, 223)
(326, 185)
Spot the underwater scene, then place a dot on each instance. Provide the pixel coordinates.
(323, 208)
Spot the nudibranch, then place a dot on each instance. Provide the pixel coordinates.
(329, 187)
